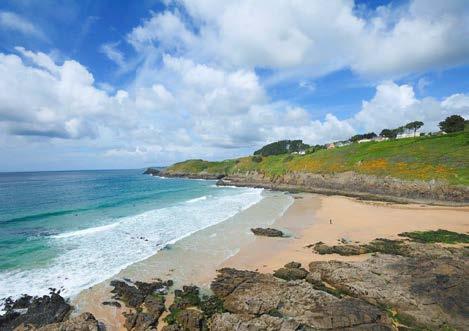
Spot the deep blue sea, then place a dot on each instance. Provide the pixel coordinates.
(73, 229)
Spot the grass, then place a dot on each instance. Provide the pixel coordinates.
(438, 236)
(426, 158)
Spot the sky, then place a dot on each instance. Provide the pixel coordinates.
(88, 84)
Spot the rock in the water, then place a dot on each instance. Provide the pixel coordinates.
(38, 311)
(267, 232)
(152, 171)
(291, 271)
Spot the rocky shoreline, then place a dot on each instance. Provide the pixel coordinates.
(403, 284)
(348, 184)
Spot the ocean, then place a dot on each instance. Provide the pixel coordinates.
(70, 230)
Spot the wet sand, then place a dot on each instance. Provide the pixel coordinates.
(195, 259)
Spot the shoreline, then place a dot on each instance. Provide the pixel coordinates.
(306, 221)
(193, 259)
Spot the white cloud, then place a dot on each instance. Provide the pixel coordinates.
(310, 38)
(113, 54)
(395, 105)
(14, 22)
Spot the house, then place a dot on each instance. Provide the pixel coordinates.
(407, 135)
(330, 146)
(380, 138)
(343, 143)
(364, 141)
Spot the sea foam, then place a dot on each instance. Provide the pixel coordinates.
(89, 256)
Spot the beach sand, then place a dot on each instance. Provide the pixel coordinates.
(307, 221)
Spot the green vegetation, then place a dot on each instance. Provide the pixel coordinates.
(443, 157)
(438, 236)
(282, 147)
(453, 123)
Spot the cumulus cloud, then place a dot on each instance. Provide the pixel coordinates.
(49, 100)
(394, 105)
(319, 37)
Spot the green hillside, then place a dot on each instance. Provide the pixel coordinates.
(443, 157)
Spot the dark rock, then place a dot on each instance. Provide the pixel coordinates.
(152, 171)
(40, 311)
(291, 273)
(139, 321)
(112, 303)
(129, 294)
(293, 265)
(155, 305)
(267, 232)
(190, 320)
(187, 297)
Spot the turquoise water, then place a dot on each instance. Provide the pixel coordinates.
(72, 229)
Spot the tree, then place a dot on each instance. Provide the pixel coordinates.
(282, 147)
(453, 123)
(414, 126)
(391, 134)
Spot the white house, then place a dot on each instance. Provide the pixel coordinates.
(408, 135)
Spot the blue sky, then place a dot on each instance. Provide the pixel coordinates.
(126, 84)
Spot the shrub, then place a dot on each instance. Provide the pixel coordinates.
(256, 158)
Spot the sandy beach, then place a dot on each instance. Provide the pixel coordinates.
(309, 219)
(314, 218)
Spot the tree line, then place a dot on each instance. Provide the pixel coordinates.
(453, 123)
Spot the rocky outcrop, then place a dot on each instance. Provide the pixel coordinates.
(291, 271)
(426, 288)
(152, 172)
(36, 312)
(267, 232)
(355, 185)
(83, 322)
(170, 174)
(146, 299)
(257, 301)
(393, 247)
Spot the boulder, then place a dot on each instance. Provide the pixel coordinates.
(37, 311)
(267, 232)
(291, 271)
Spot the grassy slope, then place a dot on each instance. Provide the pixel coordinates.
(438, 157)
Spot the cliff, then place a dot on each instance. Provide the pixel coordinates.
(423, 169)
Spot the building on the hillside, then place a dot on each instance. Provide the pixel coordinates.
(364, 141)
(343, 143)
(408, 135)
(330, 146)
(302, 152)
(380, 138)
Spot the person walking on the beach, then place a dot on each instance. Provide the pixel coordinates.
(330, 221)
